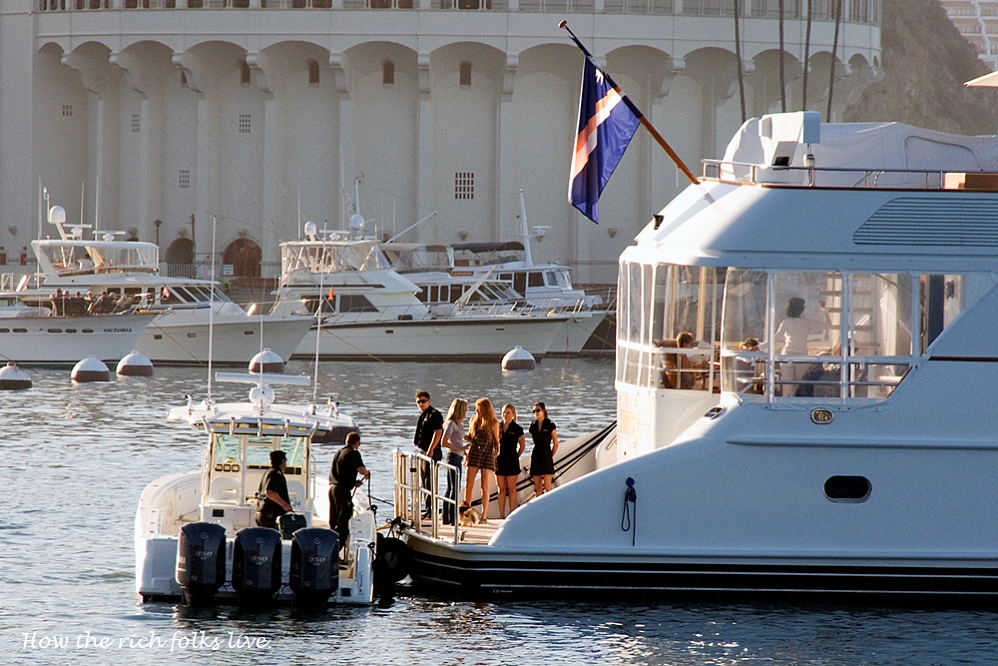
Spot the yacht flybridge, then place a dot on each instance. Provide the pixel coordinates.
(185, 313)
(370, 311)
(806, 369)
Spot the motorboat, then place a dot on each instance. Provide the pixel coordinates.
(35, 334)
(188, 316)
(368, 310)
(219, 502)
(830, 440)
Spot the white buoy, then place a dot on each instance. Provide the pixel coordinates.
(518, 359)
(266, 361)
(134, 365)
(91, 369)
(12, 378)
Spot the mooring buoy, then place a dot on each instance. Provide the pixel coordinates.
(266, 361)
(134, 365)
(12, 378)
(518, 358)
(91, 369)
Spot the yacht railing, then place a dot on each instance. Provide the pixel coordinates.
(845, 177)
(411, 496)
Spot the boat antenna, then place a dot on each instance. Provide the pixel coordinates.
(211, 303)
(318, 311)
(97, 206)
(410, 228)
(528, 260)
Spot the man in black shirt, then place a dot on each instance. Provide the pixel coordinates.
(274, 492)
(429, 430)
(347, 464)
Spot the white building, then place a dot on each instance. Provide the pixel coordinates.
(977, 21)
(154, 111)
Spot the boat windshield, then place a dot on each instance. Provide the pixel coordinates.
(327, 257)
(783, 334)
(225, 450)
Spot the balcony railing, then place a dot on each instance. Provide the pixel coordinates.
(854, 11)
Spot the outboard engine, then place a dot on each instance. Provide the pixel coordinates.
(201, 562)
(256, 565)
(390, 566)
(315, 566)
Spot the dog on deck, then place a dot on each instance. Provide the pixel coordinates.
(469, 516)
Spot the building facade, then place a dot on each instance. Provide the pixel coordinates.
(977, 21)
(159, 116)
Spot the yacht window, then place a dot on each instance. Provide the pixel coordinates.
(434, 294)
(169, 296)
(550, 278)
(943, 297)
(520, 283)
(848, 488)
(456, 291)
(356, 303)
(535, 279)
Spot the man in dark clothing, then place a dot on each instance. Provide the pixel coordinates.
(347, 464)
(274, 492)
(429, 430)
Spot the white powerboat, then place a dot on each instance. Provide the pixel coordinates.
(831, 440)
(31, 333)
(182, 310)
(370, 311)
(217, 504)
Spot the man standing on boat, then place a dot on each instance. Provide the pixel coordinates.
(429, 430)
(274, 492)
(347, 464)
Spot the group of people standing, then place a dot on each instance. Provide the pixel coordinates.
(490, 447)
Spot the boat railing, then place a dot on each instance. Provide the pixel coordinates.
(411, 496)
(846, 177)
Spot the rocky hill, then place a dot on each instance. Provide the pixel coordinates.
(926, 60)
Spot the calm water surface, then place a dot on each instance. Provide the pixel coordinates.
(76, 459)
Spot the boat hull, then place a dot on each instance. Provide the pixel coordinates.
(61, 341)
(433, 339)
(177, 338)
(479, 573)
(578, 329)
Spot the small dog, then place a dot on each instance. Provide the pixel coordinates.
(468, 516)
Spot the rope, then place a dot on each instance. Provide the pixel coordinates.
(627, 522)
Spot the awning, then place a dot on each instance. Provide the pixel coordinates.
(986, 81)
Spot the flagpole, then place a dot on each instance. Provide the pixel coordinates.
(641, 117)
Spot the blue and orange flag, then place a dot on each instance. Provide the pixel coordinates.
(607, 122)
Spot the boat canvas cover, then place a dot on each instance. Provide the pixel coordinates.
(862, 147)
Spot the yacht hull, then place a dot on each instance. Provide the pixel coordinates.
(176, 338)
(433, 339)
(67, 340)
(578, 329)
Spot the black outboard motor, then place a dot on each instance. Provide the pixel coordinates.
(315, 566)
(201, 562)
(256, 565)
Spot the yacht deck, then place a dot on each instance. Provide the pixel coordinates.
(477, 534)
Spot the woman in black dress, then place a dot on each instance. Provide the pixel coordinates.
(545, 437)
(511, 446)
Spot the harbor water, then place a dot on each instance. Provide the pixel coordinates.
(76, 459)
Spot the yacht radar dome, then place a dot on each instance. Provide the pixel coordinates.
(311, 231)
(57, 215)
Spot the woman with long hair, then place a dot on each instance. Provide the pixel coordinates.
(484, 437)
(545, 437)
(453, 442)
(511, 446)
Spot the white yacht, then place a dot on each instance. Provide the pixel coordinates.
(181, 310)
(218, 502)
(35, 334)
(832, 440)
(373, 312)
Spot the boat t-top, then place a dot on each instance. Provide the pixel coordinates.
(208, 515)
(805, 371)
(183, 310)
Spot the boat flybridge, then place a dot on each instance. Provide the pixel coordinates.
(187, 315)
(369, 310)
(805, 367)
(211, 512)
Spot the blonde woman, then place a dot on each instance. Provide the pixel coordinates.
(511, 446)
(453, 442)
(484, 437)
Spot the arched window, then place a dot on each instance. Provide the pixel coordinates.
(465, 73)
(180, 258)
(244, 73)
(388, 73)
(313, 72)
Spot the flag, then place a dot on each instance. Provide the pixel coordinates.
(607, 121)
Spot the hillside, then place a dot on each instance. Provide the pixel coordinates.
(926, 62)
